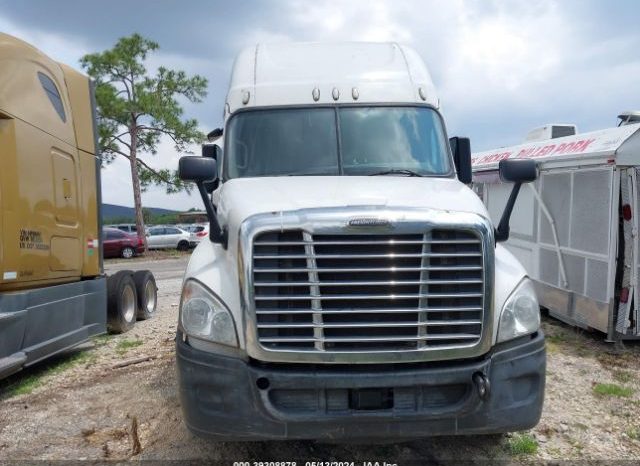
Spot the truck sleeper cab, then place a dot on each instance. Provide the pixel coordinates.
(352, 286)
(53, 291)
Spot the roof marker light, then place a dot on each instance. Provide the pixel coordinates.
(626, 212)
(335, 93)
(245, 97)
(315, 94)
(354, 93)
(422, 94)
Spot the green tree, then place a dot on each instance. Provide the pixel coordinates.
(136, 108)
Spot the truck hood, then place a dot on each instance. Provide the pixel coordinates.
(240, 198)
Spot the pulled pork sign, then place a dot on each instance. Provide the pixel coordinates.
(597, 142)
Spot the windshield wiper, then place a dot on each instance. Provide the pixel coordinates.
(396, 171)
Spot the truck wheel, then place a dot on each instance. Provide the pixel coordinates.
(147, 294)
(183, 246)
(127, 253)
(122, 301)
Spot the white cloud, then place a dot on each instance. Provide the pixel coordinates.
(371, 20)
(59, 48)
(501, 67)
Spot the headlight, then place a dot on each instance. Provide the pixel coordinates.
(520, 314)
(202, 315)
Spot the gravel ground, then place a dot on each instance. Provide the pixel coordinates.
(83, 406)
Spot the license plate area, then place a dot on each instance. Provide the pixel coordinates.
(371, 399)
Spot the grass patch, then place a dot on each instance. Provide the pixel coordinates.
(622, 376)
(76, 359)
(25, 384)
(522, 444)
(102, 340)
(125, 345)
(551, 346)
(617, 359)
(556, 338)
(612, 389)
(633, 433)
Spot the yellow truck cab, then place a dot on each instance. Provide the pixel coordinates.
(53, 292)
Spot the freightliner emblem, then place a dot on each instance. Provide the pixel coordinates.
(369, 222)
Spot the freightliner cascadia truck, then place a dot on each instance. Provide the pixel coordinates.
(53, 290)
(353, 286)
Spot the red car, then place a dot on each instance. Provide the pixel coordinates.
(117, 243)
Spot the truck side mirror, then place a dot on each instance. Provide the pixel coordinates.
(201, 170)
(197, 169)
(518, 172)
(461, 149)
(212, 151)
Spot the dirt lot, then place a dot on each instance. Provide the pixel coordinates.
(84, 406)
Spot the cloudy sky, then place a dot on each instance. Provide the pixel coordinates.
(501, 67)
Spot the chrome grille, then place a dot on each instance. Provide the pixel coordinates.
(368, 292)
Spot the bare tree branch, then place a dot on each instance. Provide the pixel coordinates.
(152, 170)
(171, 134)
(117, 137)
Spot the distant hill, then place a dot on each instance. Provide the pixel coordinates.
(111, 211)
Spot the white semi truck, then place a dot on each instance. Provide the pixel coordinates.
(352, 286)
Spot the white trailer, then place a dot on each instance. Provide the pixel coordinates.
(575, 228)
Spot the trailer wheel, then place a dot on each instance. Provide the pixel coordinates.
(147, 294)
(183, 245)
(122, 300)
(127, 252)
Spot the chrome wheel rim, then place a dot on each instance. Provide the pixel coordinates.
(127, 253)
(128, 303)
(150, 296)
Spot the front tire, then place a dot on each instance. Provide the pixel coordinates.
(147, 294)
(183, 246)
(127, 253)
(122, 302)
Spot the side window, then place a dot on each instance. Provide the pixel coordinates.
(173, 231)
(156, 231)
(54, 95)
(119, 234)
(108, 236)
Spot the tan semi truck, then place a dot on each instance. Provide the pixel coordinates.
(53, 291)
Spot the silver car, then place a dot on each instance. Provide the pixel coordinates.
(198, 233)
(168, 237)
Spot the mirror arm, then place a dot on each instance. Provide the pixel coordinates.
(216, 233)
(502, 232)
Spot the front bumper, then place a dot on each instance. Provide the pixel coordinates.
(229, 399)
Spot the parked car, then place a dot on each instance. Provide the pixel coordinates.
(126, 227)
(198, 233)
(169, 237)
(117, 243)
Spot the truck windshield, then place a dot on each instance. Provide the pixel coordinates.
(306, 141)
